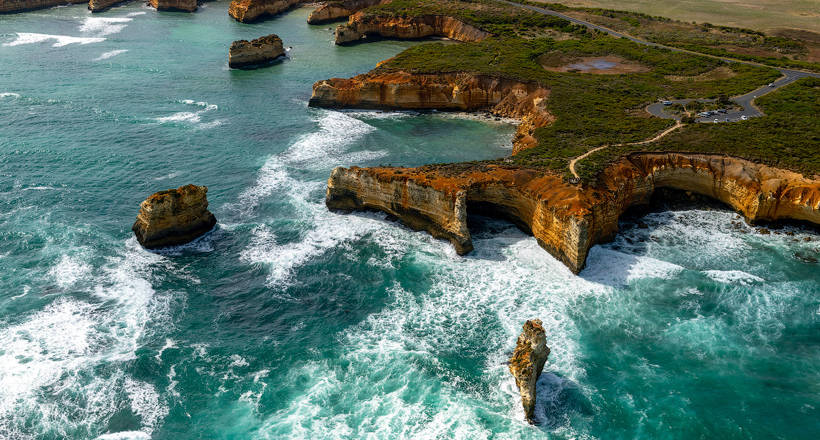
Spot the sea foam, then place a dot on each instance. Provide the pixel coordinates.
(102, 26)
(110, 54)
(60, 40)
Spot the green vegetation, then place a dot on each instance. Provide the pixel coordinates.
(494, 17)
(591, 110)
(787, 137)
(596, 110)
(706, 38)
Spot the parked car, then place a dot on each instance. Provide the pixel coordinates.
(722, 110)
(771, 84)
(743, 118)
(716, 121)
(667, 102)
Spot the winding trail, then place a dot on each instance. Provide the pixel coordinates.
(572, 163)
(745, 101)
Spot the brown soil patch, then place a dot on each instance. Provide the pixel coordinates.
(721, 72)
(608, 65)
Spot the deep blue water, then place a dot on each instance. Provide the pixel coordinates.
(289, 321)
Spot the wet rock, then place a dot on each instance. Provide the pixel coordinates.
(245, 54)
(173, 217)
(527, 361)
(174, 5)
(763, 231)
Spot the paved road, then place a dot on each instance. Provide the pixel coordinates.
(744, 101)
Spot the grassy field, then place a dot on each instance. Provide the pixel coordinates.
(764, 15)
(787, 137)
(594, 110)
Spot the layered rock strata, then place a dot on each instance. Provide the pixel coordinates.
(528, 361)
(567, 220)
(28, 5)
(174, 5)
(245, 54)
(458, 91)
(360, 25)
(173, 217)
(248, 11)
(101, 5)
(335, 10)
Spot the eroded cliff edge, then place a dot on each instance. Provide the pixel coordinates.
(336, 9)
(567, 220)
(523, 101)
(360, 25)
(248, 11)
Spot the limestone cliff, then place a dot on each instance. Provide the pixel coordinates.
(101, 5)
(457, 91)
(528, 361)
(334, 10)
(173, 217)
(247, 11)
(174, 5)
(360, 25)
(567, 220)
(254, 53)
(27, 5)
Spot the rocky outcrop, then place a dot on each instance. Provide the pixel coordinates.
(457, 91)
(174, 5)
(360, 25)
(101, 5)
(527, 361)
(173, 217)
(246, 54)
(28, 5)
(567, 220)
(335, 10)
(248, 11)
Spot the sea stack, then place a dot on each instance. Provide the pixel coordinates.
(174, 5)
(245, 54)
(173, 217)
(527, 361)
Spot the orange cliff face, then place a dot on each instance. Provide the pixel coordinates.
(567, 220)
(248, 11)
(332, 11)
(456, 92)
(174, 5)
(360, 25)
(27, 5)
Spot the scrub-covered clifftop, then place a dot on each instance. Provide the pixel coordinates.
(765, 168)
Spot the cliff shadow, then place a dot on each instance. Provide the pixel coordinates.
(613, 262)
(558, 402)
(492, 230)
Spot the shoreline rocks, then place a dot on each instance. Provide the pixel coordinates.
(245, 54)
(567, 220)
(9, 6)
(526, 102)
(174, 5)
(527, 362)
(248, 11)
(359, 26)
(102, 5)
(337, 9)
(173, 217)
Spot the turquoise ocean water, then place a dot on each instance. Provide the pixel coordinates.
(289, 321)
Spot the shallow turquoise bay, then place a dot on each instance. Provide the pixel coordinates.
(289, 321)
